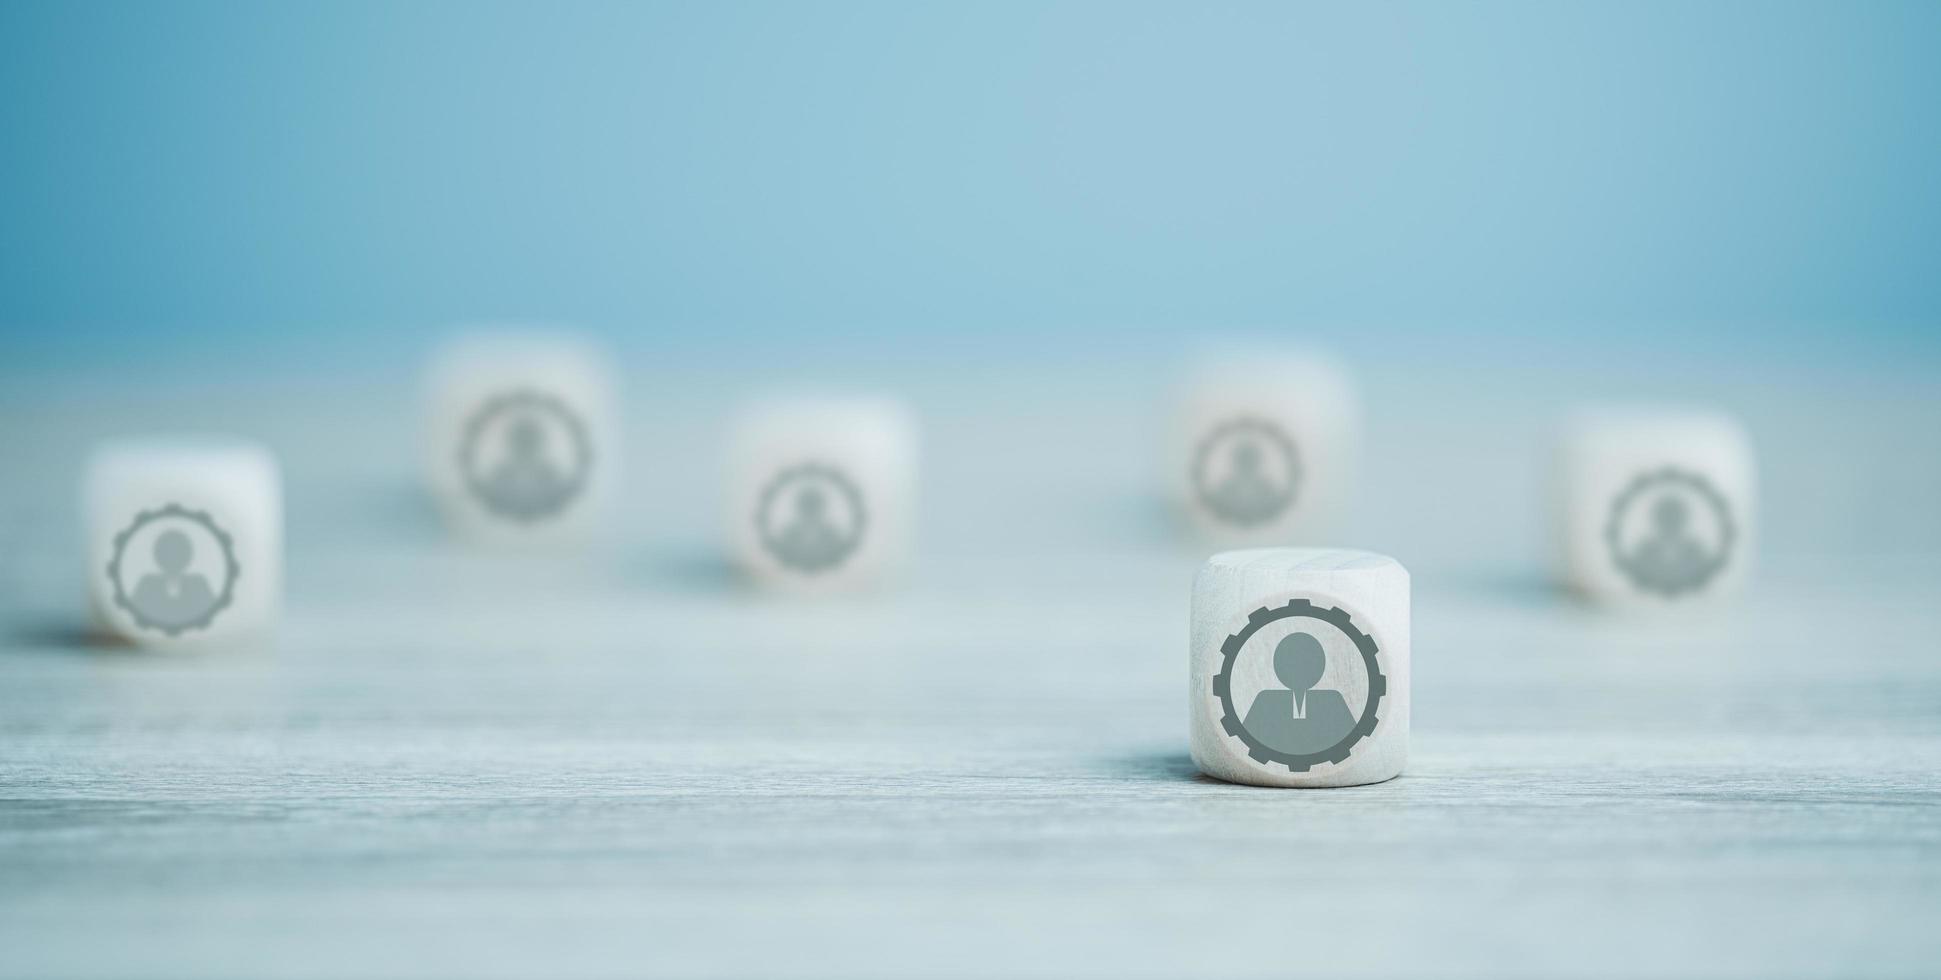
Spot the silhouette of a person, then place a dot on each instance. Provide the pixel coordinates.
(810, 542)
(524, 479)
(1670, 557)
(1246, 495)
(172, 595)
(1299, 721)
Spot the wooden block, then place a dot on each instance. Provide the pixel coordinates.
(522, 445)
(822, 491)
(184, 540)
(1300, 667)
(1264, 448)
(1656, 505)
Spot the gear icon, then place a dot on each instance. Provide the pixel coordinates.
(231, 570)
(1304, 609)
(522, 504)
(1655, 580)
(1248, 496)
(816, 546)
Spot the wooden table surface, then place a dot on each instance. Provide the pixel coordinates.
(623, 763)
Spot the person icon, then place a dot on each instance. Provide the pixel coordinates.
(525, 456)
(1670, 532)
(1669, 558)
(525, 481)
(1299, 720)
(171, 595)
(810, 541)
(1245, 472)
(810, 518)
(1247, 495)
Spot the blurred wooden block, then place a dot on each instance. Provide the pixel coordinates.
(1264, 448)
(1300, 667)
(1656, 505)
(184, 540)
(822, 493)
(521, 441)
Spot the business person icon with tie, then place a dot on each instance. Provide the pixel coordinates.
(1299, 720)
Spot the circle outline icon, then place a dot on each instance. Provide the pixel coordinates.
(231, 569)
(1698, 486)
(1270, 433)
(1300, 608)
(541, 403)
(852, 496)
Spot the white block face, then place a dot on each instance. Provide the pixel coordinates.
(1264, 449)
(184, 540)
(1300, 667)
(522, 442)
(822, 492)
(1657, 507)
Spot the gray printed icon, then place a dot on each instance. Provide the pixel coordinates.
(811, 518)
(1670, 532)
(1246, 472)
(1299, 720)
(1299, 725)
(173, 570)
(525, 456)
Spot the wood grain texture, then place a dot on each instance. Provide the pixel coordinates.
(452, 764)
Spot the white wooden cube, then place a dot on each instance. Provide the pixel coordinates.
(1264, 448)
(1656, 505)
(522, 441)
(822, 492)
(184, 540)
(1300, 667)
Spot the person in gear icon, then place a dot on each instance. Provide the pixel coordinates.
(1299, 720)
(525, 480)
(810, 541)
(171, 595)
(1669, 557)
(1247, 494)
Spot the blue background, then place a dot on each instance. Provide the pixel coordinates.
(259, 218)
(258, 178)
(1022, 216)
